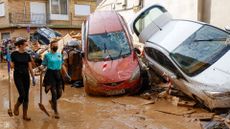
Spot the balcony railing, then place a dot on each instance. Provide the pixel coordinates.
(32, 19)
(37, 20)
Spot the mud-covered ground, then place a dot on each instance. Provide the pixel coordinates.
(79, 111)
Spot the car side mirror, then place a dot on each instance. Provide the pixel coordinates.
(138, 51)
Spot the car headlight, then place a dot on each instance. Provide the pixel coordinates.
(216, 94)
(135, 75)
(91, 80)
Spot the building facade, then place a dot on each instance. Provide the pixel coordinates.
(214, 12)
(22, 17)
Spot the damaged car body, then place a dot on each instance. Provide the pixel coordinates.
(44, 35)
(110, 65)
(194, 55)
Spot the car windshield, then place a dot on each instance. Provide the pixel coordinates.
(201, 50)
(108, 46)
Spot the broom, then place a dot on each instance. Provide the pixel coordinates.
(41, 106)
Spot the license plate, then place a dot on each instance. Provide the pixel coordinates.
(115, 92)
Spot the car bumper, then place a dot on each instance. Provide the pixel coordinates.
(220, 102)
(108, 90)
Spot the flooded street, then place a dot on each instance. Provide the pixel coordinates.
(79, 111)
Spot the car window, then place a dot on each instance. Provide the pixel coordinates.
(161, 59)
(203, 48)
(108, 46)
(147, 17)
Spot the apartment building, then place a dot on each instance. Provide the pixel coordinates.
(23, 17)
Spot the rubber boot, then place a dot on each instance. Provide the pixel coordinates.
(16, 108)
(25, 109)
(52, 104)
(54, 107)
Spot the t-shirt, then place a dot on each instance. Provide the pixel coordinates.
(20, 60)
(53, 61)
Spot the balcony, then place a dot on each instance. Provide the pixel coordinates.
(28, 19)
(39, 20)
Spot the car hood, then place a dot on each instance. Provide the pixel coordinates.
(113, 70)
(217, 76)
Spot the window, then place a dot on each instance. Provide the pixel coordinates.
(59, 9)
(161, 59)
(2, 9)
(5, 35)
(108, 46)
(82, 10)
(202, 49)
(147, 18)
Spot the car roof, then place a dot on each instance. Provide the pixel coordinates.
(104, 21)
(174, 33)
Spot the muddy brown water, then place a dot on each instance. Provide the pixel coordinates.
(79, 111)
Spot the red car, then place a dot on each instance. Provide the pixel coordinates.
(110, 64)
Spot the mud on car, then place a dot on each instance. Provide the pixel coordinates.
(110, 65)
(194, 55)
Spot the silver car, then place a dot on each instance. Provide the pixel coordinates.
(194, 55)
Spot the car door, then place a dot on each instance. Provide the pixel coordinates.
(161, 63)
(149, 21)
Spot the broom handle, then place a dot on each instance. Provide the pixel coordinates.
(8, 68)
(9, 90)
(41, 87)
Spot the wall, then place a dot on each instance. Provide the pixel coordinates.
(18, 7)
(215, 12)
(219, 14)
(4, 20)
(75, 20)
(16, 32)
(111, 5)
(22, 32)
(180, 9)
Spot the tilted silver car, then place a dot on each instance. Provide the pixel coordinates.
(194, 55)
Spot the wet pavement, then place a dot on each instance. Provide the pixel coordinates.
(79, 111)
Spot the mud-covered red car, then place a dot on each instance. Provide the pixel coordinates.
(110, 64)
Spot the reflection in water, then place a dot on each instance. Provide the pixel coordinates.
(5, 102)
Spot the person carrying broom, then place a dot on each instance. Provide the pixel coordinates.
(53, 80)
(21, 63)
